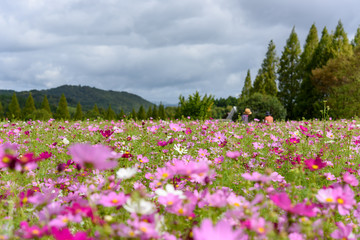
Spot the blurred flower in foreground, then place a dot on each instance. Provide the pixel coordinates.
(126, 173)
(141, 206)
(92, 156)
(222, 230)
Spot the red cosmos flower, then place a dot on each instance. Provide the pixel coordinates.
(314, 164)
(106, 133)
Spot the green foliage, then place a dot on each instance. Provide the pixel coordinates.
(322, 52)
(14, 111)
(339, 82)
(260, 104)
(141, 115)
(307, 93)
(155, 113)
(94, 113)
(289, 79)
(356, 41)
(110, 114)
(40, 114)
(1, 111)
(133, 114)
(195, 106)
(78, 113)
(29, 107)
(121, 114)
(246, 90)
(340, 44)
(162, 114)
(45, 105)
(62, 111)
(265, 81)
(149, 113)
(224, 102)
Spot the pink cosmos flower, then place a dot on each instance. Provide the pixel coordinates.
(314, 164)
(142, 158)
(66, 234)
(222, 230)
(257, 177)
(283, 201)
(233, 155)
(112, 199)
(106, 133)
(350, 179)
(340, 197)
(96, 156)
(329, 176)
(343, 232)
(175, 127)
(31, 232)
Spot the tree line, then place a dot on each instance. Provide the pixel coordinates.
(326, 71)
(14, 112)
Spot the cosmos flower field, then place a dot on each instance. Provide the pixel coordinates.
(179, 180)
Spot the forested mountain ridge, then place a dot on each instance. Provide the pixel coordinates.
(87, 96)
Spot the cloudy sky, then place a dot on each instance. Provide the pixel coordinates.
(157, 49)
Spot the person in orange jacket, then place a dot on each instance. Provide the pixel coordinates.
(268, 118)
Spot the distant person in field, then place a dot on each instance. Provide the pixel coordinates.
(268, 118)
(245, 116)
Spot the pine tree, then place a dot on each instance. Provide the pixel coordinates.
(265, 81)
(246, 90)
(307, 90)
(110, 114)
(45, 105)
(62, 111)
(141, 114)
(162, 114)
(155, 113)
(29, 107)
(121, 115)
(323, 51)
(1, 112)
(133, 114)
(289, 81)
(14, 111)
(356, 41)
(340, 43)
(149, 113)
(78, 113)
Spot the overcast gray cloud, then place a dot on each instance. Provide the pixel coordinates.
(157, 49)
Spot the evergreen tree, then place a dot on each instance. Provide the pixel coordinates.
(289, 81)
(356, 41)
(162, 114)
(141, 114)
(110, 114)
(121, 115)
(78, 113)
(307, 92)
(1, 112)
(62, 111)
(155, 113)
(322, 52)
(14, 111)
(265, 81)
(149, 113)
(195, 106)
(45, 105)
(340, 43)
(133, 114)
(29, 107)
(246, 90)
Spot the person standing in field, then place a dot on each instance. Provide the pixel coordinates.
(268, 118)
(245, 116)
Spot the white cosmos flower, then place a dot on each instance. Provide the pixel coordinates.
(142, 206)
(180, 149)
(65, 141)
(126, 173)
(170, 190)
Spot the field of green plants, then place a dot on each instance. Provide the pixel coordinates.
(179, 180)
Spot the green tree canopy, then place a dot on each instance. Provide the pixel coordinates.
(195, 106)
(110, 114)
(340, 44)
(162, 114)
(260, 104)
(265, 81)
(14, 111)
(1, 111)
(29, 107)
(62, 111)
(356, 41)
(141, 114)
(155, 113)
(289, 81)
(246, 90)
(45, 105)
(78, 112)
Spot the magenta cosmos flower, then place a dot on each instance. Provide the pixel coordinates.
(283, 201)
(314, 164)
(92, 156)
(222, 230)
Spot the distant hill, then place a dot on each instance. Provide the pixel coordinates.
(87, 96)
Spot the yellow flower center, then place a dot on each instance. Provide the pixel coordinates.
(132, 234)
(261, 229)
(340, 201)
(35, 232)
(165, 175)
(181, 211)
(143, 229)
(25, 199)
(329, 200)
(65, 220)
(170, 203)
(315, 166)
(5, 159)
(236, 204)
(114, 201)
